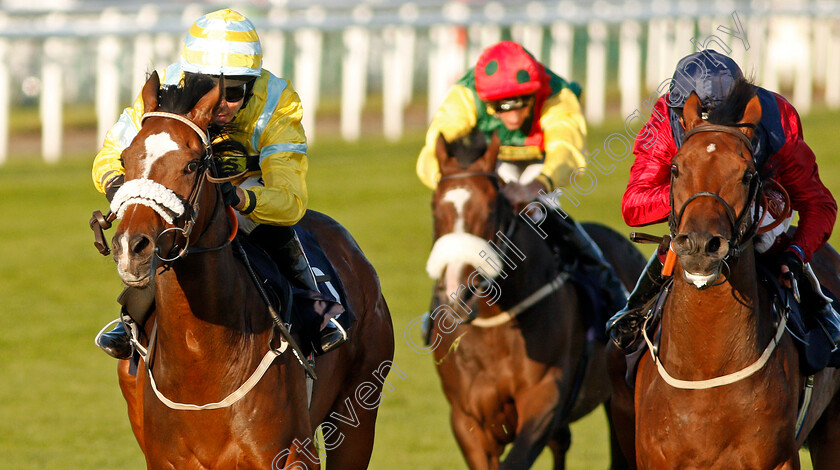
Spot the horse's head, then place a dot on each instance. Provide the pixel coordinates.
(165, 167)
(713, 184)
(467, 210)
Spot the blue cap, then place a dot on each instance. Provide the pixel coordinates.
(708, 73)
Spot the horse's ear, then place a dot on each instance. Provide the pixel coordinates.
(691, 112)
(150, 93)
(443, 157)
(202, 113)
(492, 153)
(752, 115)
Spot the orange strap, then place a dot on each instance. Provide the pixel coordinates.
(234, 221)
(670, 261)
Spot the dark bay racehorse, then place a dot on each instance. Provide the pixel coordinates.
(510, 379)
(213, 329)
(726, 390)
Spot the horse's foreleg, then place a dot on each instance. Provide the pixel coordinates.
(131, 393)
(621, 412)
(560, 443)
(618, 461)
(537, 419)
(824, 439)
(479, 454)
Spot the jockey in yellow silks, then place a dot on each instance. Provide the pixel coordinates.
(489, 101)
(262, 113)
(536, 115)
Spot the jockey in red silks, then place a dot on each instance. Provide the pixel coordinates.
(780, 153)
(536, 115)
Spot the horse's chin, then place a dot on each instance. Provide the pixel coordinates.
(137, 278)
(134, 281)
(702, 280)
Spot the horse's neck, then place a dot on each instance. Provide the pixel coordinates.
(720, 325)
(528, 275)
(205, 306)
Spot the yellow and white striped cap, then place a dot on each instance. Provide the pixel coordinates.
(222, 42)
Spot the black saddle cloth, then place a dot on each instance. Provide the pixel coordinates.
(815, 349)
(594, 308)
(305, 311)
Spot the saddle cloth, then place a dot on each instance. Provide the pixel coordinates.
(307, 311)
(814, 346)
(596, 311)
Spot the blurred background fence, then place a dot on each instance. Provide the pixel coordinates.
(65, 56)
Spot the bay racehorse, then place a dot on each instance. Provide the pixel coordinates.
(724, 388)
(523, 368)
(191, 405)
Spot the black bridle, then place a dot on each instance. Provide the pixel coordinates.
(743, 227)
(204, 173)
(500, 198)
(506, 227)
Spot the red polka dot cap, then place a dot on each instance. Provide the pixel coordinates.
(506, 70)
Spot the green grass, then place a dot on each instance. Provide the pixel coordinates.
(61, 404)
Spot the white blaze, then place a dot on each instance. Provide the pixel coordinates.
(711, 148)
(157, 145)
(123, 263)
(458, 197)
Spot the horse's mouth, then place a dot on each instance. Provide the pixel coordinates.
(132, 280)
(702, 280)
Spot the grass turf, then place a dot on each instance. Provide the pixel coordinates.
(61, 404)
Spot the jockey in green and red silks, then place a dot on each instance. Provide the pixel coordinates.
(536, 115)
(780, 153)
(508, 78)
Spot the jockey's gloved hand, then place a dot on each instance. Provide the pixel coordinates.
(112, 186)
(522, 194)
(795, 264)
(229, 194)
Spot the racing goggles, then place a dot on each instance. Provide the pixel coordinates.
(511, 104)
(234, 94)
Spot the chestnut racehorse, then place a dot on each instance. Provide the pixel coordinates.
(725, 387)
(213, 329)
(523, 369)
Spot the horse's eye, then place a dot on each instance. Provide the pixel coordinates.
(191, 167)
(675, 172)
(748, 176)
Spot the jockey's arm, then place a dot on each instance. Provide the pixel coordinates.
(564, 130)
(647, 197)
(455, 118)
(283, 163)
(107, 164)
(795, 167)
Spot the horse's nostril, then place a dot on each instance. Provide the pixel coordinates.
(139, 244)
(683, 244)
(713, 246)
(717, 246)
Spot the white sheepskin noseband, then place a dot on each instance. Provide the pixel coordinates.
(148, 193)
(462, 249)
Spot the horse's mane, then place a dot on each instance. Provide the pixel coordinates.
(181, 98)
(732, 109)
